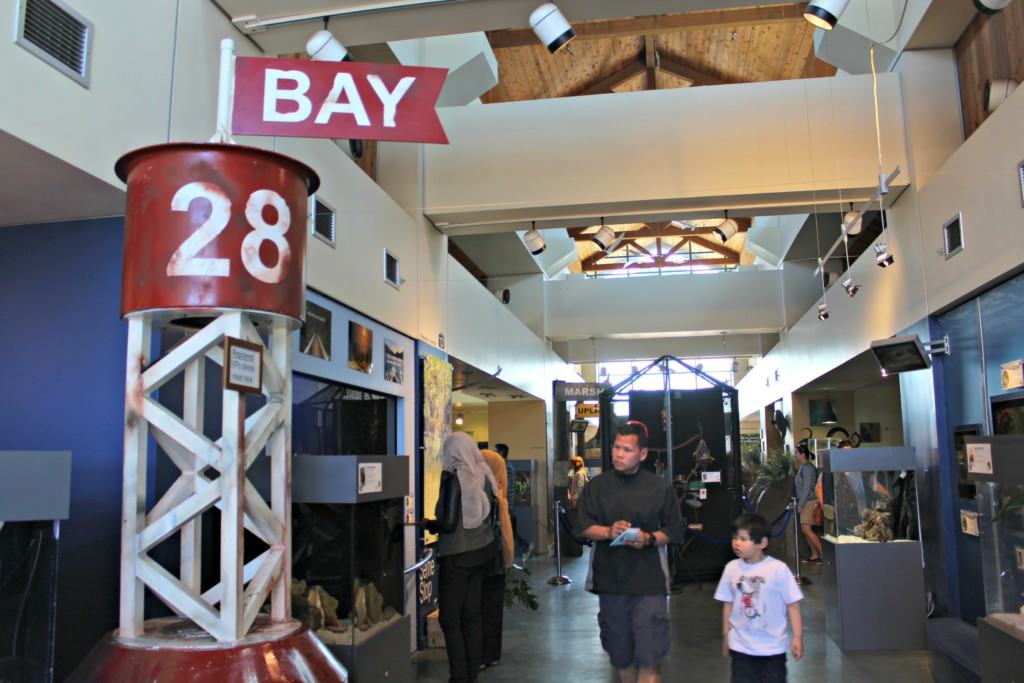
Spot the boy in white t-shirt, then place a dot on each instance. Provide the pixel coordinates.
(758, 592)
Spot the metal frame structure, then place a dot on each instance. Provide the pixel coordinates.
(243, 587)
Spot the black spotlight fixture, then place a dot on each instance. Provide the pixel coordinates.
(822, 312)
(882, 256)
(850, 287)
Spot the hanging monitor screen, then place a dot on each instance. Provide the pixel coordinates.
(900, 354)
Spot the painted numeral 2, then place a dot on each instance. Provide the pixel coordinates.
(184, 262)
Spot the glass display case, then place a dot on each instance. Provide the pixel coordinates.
(35, 488)
(348, 560)
(873, 566)
(996, 464)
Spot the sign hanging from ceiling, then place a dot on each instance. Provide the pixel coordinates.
(349, 100)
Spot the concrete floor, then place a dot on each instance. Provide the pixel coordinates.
(559, 643)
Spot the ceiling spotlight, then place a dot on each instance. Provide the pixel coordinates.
(991, 6)
(534, 241)
(822, 312)
(726, 228)
(882, 256)
(459, 419)
(324, 47)
(825, 13)
(853, 221)
(851, 289)
(551, 27)
(604, 237)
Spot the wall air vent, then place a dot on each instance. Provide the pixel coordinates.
(953, 236)
(58, 35)
(392, 274)
(325, 222)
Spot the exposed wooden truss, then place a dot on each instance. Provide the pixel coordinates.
(665, 23)
(669, 240)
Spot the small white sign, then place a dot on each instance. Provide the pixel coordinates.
(1020, 557)
(969, 522)
(410, 510)
(979, 458)
(711, 477)
(703, 495)
(1012, 375)
(371, 477)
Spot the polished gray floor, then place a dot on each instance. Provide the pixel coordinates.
(560, 643)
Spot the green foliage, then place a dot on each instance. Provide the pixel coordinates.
(777, 466)
(517, 589)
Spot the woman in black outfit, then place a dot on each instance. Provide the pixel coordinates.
(467, 549)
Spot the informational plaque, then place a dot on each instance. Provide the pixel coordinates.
(243, 366)
(371, 479)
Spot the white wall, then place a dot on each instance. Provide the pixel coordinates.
(978, 178)
(754, 144)
(126, 103)
(580, 308)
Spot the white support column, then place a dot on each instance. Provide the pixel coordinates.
(232, 493)
(133, 491)
(280, 452)
(191, 532)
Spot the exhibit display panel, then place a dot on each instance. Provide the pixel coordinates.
(996, 464)
(873, 575)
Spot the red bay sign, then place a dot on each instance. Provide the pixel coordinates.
(352, 100)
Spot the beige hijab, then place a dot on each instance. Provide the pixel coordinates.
(460, 456)
(497, 465)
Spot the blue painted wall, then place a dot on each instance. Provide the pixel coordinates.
(63, 348)
(984, 333)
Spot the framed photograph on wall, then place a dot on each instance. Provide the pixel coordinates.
(870, 432)
(315, 335)
(394, 362)
(360, 347)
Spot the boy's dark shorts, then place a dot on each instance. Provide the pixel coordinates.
(753, 669)
(634, 629)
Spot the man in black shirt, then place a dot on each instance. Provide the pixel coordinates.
(631, 578)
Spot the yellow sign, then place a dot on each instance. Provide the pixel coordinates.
(584, 410)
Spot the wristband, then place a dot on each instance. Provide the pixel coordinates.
(652, 539)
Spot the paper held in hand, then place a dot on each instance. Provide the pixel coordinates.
(627, 536)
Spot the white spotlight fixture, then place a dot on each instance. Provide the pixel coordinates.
(604, 237)
(850, 287)
(853, 221)
(882, 256)
(534, 241)
(825, 13)
(996, 92)
(551, 27)
(322, 46)
(822, 312)
(991, 6)
(726, 228)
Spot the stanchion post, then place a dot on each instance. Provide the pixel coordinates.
(559, 579)
(795, 514)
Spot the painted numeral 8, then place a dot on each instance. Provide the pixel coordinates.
(184, 262)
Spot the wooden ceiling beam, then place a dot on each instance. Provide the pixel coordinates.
(655, 230)
(695, 76)
(664, 23)
(608, 83)
(713, 246)
(651, 60)
(662, 263)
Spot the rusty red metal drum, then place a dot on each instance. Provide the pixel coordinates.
(214, 227)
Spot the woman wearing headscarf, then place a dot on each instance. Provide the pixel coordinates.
(493, 604)
(466, 551)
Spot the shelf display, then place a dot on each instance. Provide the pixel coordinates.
(873, 574)
(996, 465)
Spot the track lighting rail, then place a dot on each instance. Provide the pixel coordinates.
(883, 189)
